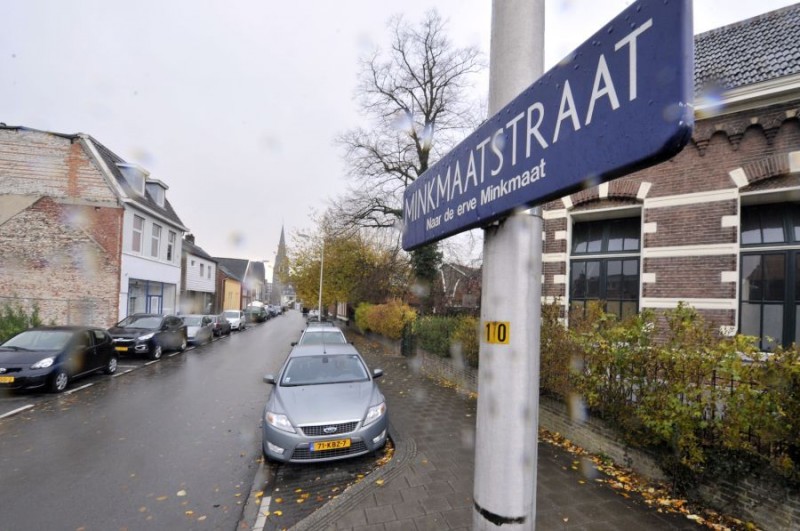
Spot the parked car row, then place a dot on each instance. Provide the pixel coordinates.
(258, 313)
(49, 357)
(325, 404)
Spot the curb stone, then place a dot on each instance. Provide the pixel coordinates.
(405, 450)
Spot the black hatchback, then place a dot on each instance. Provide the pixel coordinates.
(147, 334)
(51, 356)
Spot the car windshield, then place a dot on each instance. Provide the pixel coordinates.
(193, 320)
(40, 340)
(320, 338)
(232, 313)
(141, 321)
(317, 370)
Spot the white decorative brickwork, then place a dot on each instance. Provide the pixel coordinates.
(648, 278)
(730, 221)
(644, 189)
(739, 177)
(650, 228)
(729, 276)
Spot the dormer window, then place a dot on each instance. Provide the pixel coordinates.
(157, 191)
(135, 176)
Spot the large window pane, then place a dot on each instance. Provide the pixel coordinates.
(796, 223)
(592, 280)
(629, 309)
(772, 225)
(595, 238)
(614, 279)
(579, 237)
(751, 278)
(630, 286)
(578, 284)
(751, 226)
(750, 319)
(774, 277)
(773, 326)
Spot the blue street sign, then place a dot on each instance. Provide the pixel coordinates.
(620, 102)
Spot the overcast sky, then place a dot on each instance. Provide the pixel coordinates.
(235, 104)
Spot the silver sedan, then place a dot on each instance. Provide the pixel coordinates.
(325, 406)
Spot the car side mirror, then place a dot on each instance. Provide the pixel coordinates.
(269, 379)
(294, 343)
(377, 373)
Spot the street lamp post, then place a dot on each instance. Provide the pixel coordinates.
(321, 269)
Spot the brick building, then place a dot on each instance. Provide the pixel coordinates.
(84, 235)
(718, 225)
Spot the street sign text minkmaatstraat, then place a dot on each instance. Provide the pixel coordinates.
(620, 102)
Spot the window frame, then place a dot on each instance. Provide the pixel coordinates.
(171, 239)
(155, 240)
(603, 257)
(789, 249)
(137, 231)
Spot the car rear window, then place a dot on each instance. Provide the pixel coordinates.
(317, 370)
(320, 338)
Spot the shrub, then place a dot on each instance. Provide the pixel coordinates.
(389, 319)
(14, 319)
(679, 388)
(434, 334)
(466, 336)
(362, 311)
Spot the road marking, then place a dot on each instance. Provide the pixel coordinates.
(152, 362)
(15, 411)
(78, 389)
(263, 509)
(123, 372)
(171, 355)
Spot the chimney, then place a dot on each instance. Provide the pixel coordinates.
(189, 238)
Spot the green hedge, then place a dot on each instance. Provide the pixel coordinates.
(668, 382)
(449, 337)
(14, 319)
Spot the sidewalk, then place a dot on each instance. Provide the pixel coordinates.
(428, 483)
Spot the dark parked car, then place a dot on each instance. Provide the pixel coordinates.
(148, 334)
(51, 356)
(325, 405)
(256, 314)
(220, 325)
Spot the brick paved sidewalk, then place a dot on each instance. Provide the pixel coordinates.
(428, 484)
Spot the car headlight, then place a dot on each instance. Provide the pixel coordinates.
(278, 421)
(374, 413)
(146, 336)
(43, 364)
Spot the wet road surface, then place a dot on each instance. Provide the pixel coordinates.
(170, 445)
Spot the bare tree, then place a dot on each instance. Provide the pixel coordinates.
(415, 98)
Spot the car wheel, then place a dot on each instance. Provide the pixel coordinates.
(111, 366)
(156, 352)
(183, 345)
(59, 381)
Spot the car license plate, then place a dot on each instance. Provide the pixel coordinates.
(121, 349)
(6, 379)
(331, 445)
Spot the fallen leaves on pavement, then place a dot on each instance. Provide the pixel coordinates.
(654, 494)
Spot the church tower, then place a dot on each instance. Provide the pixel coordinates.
(280, 271)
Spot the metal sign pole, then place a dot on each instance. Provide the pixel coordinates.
(508, 378)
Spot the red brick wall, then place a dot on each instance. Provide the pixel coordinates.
(691, 277)
(756, 140)
(63, 252)
(691, 224)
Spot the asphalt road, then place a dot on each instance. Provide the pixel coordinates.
(170, 445)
